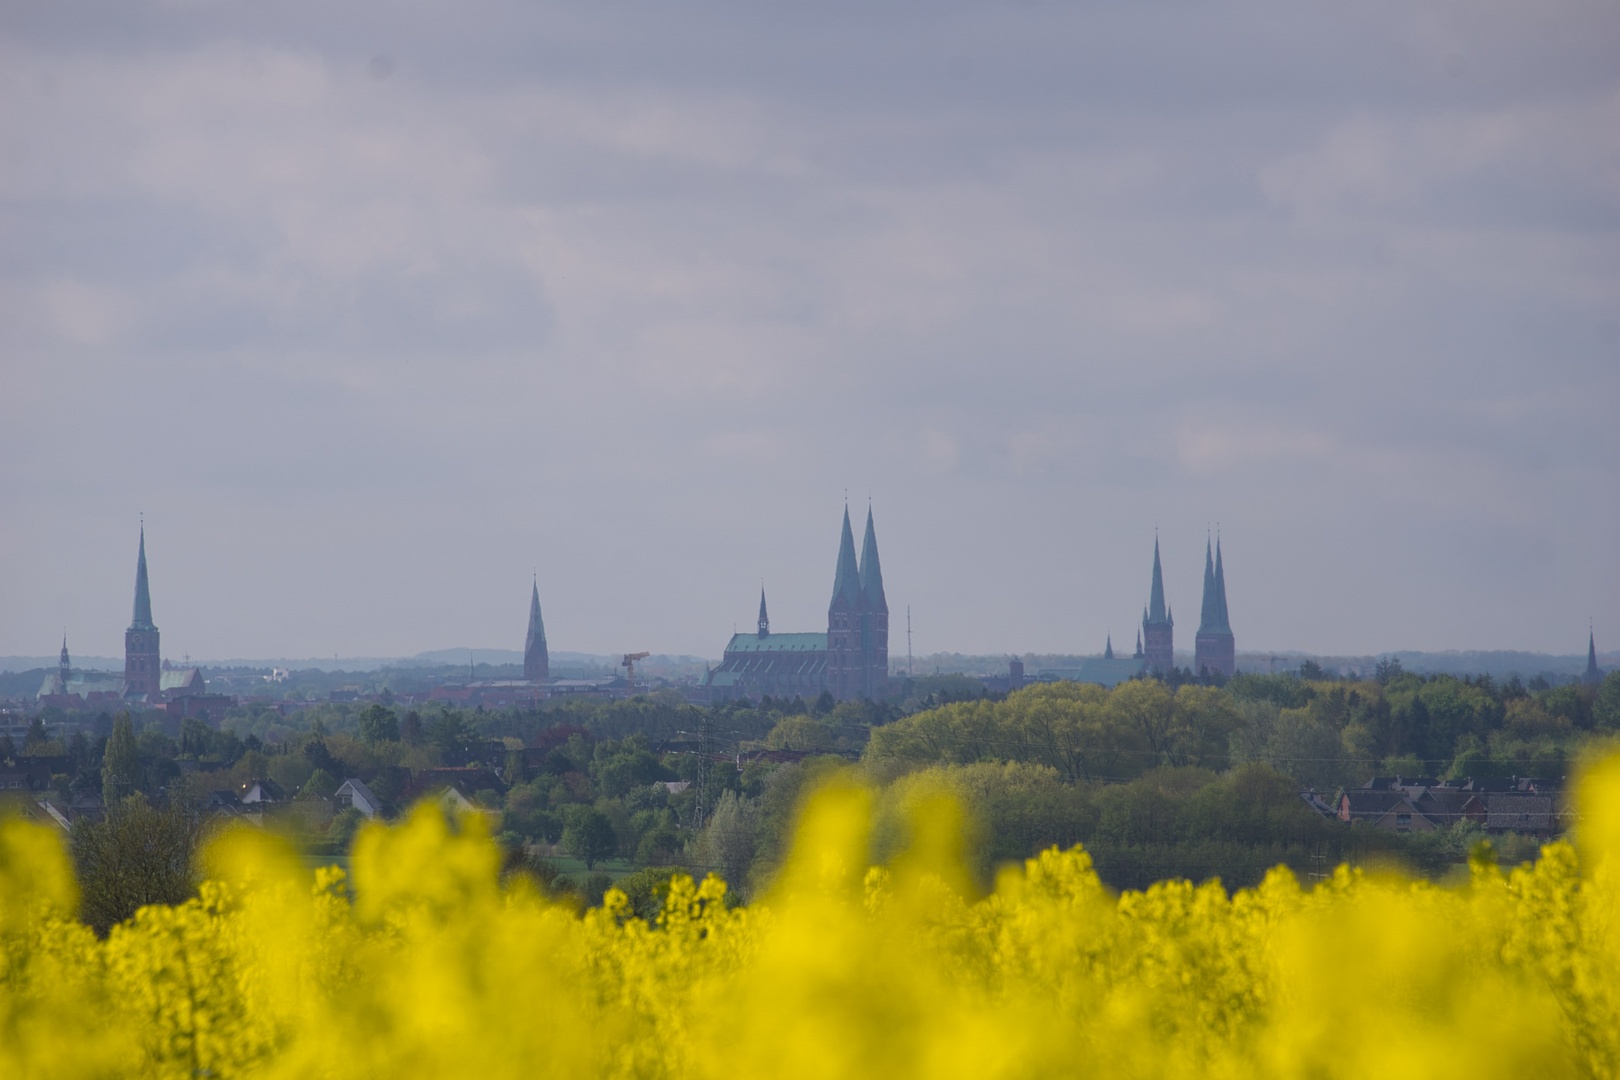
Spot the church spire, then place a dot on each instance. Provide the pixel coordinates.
(1156, 610)
(764, 619)
(1593, 675)
(143, 591)
(64, 666)
(1209, 617)
(847, 580)
(1108, 653)
(1220, 589)
(536, 659)
(872, 569)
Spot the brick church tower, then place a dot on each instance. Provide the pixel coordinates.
(844, 620)
(858, 620)
(1215, 651)
(143, 664)
(1158, 625)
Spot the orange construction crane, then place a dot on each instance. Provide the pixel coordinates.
(629, 665)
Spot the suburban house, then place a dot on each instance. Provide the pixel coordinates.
(1421, 804)
(354, 793)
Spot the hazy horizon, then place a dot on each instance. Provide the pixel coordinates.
(377, 311)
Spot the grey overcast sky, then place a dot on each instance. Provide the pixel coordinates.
(376, 309)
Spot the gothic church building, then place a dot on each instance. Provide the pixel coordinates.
(1214, 648)
(851, 660)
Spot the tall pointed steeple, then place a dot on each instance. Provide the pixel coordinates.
(1108, 653)
(536, 659)
(847, 578)
(143, 654)
(1158, 625)
(64, 666)
(143, 591)
(872, 569)
(764, 618)
(1214, 651)
(1593, 676)
(1156, 610)
(1209, 616)
(1138, 655)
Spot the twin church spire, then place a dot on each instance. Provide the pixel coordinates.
(1213, 619)
(1214, 650)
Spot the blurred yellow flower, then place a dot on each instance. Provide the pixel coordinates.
(424, 966)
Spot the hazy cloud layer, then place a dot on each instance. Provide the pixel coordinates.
(376, 310)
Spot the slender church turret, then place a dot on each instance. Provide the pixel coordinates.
(64, 666)
(844, 620)
(143, 662)
(874, 619)
(1592, 677)
(764, 618)
(1158, 624)
(1214, 650)
(536, 660)
(1108, 651)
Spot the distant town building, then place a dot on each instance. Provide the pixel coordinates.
(66, 688)
(143, 663)
(1215, 651)
(1158, 624)
(147, 680)
(851, 660)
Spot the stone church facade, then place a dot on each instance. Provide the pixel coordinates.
(850, 660)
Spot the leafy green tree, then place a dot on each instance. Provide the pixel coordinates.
(619, 767)
(1606, 706)
(121, 764)
(377, 724)
(589, 836)
(137, 855)
(799, 733)
(411, 733)
(1569, 703)
(320, 785)
(450, 732)
(345, 823)
(729, 839)
(659, 845)
(1147, 708)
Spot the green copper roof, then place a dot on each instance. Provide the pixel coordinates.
(753, 643)
(847, 581)
(1156, 611)
(143, 592)
(871, 568)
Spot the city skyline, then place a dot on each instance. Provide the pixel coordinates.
(1158, 610)
(376, 316)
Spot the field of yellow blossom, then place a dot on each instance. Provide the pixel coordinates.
(422, 966)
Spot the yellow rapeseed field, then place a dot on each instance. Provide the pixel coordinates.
(422, 966)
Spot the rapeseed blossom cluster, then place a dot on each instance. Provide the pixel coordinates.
(424, 965)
